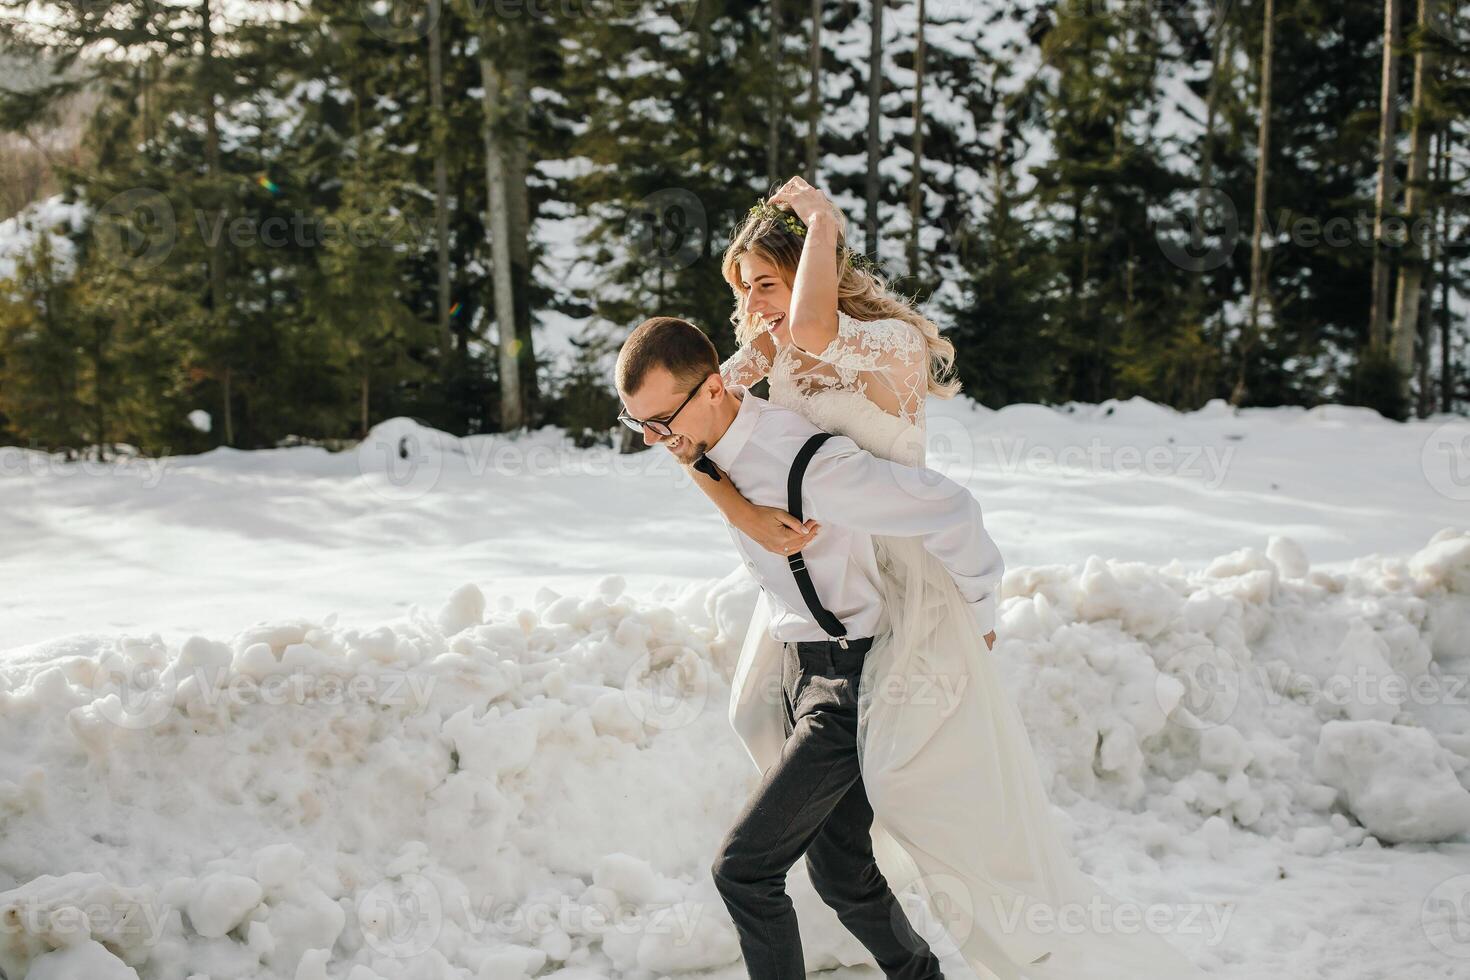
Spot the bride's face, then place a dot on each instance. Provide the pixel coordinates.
(767, 294)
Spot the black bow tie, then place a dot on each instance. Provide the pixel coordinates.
(708, 468)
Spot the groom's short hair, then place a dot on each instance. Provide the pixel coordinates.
(675, 345)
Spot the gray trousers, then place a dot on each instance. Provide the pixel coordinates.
(811, 801)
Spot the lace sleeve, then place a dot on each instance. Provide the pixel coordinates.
(886, 360)
(749, 364)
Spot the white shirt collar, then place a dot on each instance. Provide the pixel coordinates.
(729, 445)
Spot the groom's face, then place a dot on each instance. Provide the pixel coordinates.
(660, 396)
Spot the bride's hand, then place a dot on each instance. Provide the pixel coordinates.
(777, 531)
(807, 202)
(990, 640)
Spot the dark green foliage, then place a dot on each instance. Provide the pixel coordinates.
(1064, 168)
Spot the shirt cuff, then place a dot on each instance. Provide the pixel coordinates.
(984, 613)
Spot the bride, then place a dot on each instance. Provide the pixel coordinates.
(961, 816)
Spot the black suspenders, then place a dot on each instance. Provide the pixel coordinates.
(824, 619)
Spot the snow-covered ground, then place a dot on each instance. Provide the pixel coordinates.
(462, 715)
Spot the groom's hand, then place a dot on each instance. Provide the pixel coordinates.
(990, 640)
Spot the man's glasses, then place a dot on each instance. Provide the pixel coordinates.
(660, 426)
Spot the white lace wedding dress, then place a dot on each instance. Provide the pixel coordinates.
(961, 816)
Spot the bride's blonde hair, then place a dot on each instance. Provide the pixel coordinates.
(862, 293)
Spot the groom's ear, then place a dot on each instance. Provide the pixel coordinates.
(714, 387)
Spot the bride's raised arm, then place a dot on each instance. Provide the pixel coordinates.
(812, 315)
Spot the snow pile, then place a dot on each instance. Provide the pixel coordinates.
(1257, 689)
(55, 218)
(495, 789)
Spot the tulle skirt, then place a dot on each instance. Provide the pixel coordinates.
(962, 818)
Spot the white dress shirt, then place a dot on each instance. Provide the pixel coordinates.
(853, 495)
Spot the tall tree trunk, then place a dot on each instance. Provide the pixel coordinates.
(1416, 200)
(441, 182)
(362, 405)
(773, 121)
(1219, 61)
(1263, 162)
(519, 197)
(1425, 359)
(218, 319)
(916, 186)
(814, 94)
(875, 94)
(1388, 124)
(512, 413)
(1446, 338)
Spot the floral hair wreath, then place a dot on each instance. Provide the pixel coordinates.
(794, 225)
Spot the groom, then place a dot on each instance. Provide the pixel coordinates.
(811, 801)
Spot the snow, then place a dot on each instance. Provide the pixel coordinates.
(53, 217)
(440, 707)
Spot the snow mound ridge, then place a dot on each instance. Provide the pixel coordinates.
(490, 790)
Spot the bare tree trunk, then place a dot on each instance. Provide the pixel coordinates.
(512, 414)
(518, 196)
(773, 121)
(814, 94)
(1425, 359)
(1263, 164)
(218, 319)
(1219, 61)
(441, 182)
(875, 93)
(1446, 360)
(1416, 201)
(363, 404)
(1388, 124)
(916, 186)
